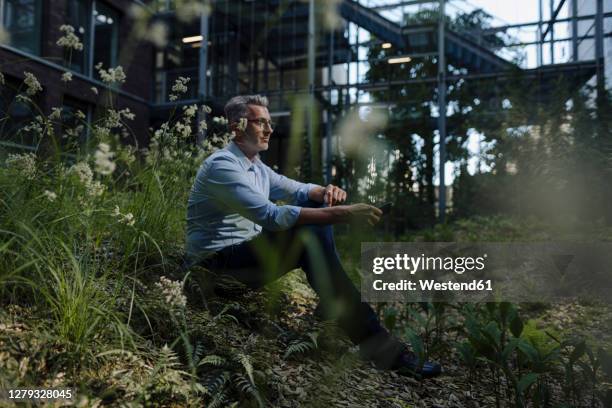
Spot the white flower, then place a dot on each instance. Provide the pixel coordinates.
(67, 77)
(180, 85)
(220, 120)
(158, 34)
(1, 76)
(24, 163)
(104, 165)
(206, 109)
(69, 39)
(173, 98)
(32, 83)
(94, 90)
(172, 292)
(50, 195)
(127, 219)
(242, 124)
(85, 175)
(112, 75)
(202, 126)
(183, 129)
(79, 114)
(190, 110)
(83, 172)
(56, 113)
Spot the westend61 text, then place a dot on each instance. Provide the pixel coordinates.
(405, 262)
(430, 284)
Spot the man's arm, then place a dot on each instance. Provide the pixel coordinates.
(331, 195)
(339, 214)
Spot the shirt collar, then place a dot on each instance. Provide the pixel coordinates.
(244, 161)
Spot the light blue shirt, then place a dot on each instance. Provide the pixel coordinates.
(230, 202)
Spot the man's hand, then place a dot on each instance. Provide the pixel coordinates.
(363, 212)
(333, 195)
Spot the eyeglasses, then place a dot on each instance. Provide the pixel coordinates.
(261, 122)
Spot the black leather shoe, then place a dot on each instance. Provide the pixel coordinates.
(408, 364)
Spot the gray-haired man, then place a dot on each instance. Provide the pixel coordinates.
(232, 221)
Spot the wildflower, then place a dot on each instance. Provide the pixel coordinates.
(22, 99)
(190, 111)
(206, 109)
(202, 126)
(111, 75)
(95, 189)
(69, 40)
(32, 83)
(158, 34)
(180, 85)
(127, 219)
(83, 172)
(220, 120)
(67, 77)
(127, 114)
(50, 195)
(56, 113)
(79, 114)
(172, 292)
(173, 98)
(25, 164)
(183, 129)
(94, 90)
(104, 165)
(242, 125)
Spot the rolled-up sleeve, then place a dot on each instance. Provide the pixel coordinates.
(284, 188)
(231, 187)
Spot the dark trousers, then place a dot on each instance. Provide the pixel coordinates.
(312, 248)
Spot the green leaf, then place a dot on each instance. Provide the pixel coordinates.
(516, 326)
(530, 352)
(417, 343)
(526, 381)
(390, 318)
(510, 347)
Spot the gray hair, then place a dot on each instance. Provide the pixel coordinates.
(237, 107)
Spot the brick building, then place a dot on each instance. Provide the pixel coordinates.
(105, 28)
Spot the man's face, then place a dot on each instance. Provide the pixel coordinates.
(258, 131)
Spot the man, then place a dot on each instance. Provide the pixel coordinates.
(234, 228)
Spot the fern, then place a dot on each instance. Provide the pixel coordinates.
(299, 347)
(219, 400)
(248, 386)
(245, 361)
(213, 360)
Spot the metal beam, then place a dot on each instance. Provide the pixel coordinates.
(401, 4)
(442, 114)
(554, 13)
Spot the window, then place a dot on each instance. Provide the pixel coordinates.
(106, 31)
(21, 19)
(78, 15)
(15, 115)
(97, 26)
(76, 122)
